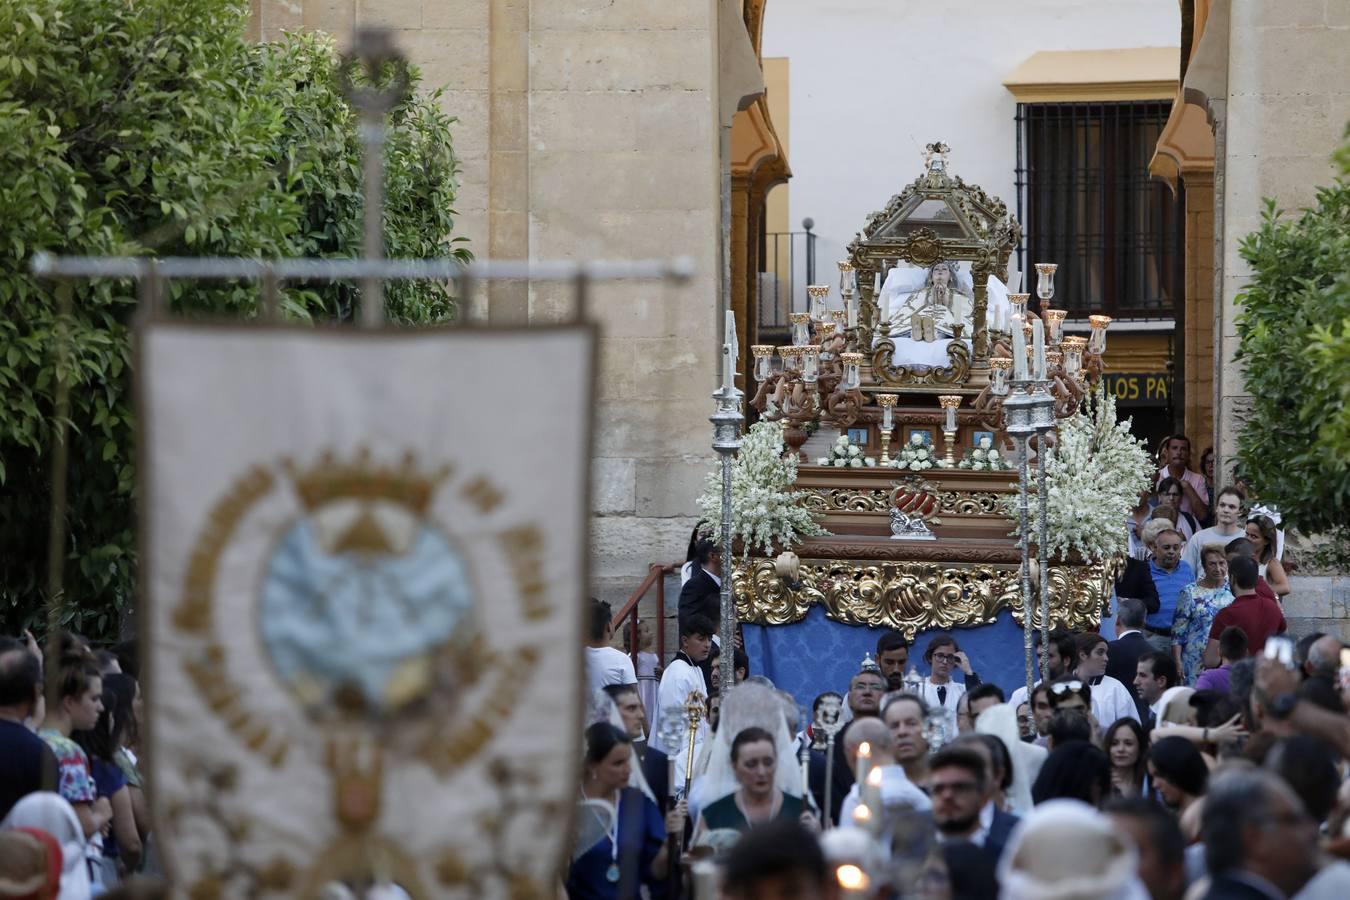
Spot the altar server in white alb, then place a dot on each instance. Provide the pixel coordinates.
(938, 690)
(1111, 700)
(681, 684)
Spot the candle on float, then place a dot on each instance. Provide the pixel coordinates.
(1038, 342)
(1019, 350)
(729, 354)
(851, 306)
(876, 284)
(864, 761)
(886, 418)
(870, 791)
(951, 418)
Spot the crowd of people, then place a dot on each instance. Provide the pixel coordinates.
(1199, 753)
(74, 822)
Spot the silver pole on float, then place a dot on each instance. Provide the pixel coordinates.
(727, 442)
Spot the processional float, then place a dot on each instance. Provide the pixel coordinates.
(927, 338)
(360, 620)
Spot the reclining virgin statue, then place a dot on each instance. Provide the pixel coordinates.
(932, 310)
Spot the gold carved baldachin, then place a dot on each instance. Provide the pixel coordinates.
(910, 597)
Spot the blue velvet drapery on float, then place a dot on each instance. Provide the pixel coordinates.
(819, 654)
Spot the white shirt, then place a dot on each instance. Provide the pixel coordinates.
(929, 692)
(680, 679)
(1019, 696)
(1111, 701)
(606, 666)
(896, 789)
(1211, 535)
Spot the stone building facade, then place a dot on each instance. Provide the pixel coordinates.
(587, 130)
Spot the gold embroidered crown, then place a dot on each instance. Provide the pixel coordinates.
(328, 480)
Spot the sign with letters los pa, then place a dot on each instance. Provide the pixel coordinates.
(364, 562)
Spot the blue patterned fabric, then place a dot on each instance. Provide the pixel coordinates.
(819, 654)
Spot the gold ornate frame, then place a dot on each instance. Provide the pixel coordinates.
(970, 225)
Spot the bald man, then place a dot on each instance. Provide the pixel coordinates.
(896, 788)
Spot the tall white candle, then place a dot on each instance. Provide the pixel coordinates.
(851, 305)
(876, 283)
(1038, 344)
(951, 418)
(1019, 350)
(729, 354)
(886, 418)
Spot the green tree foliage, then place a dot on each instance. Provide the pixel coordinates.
(153, 127)
(1294, 331)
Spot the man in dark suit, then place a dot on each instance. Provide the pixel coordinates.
(702, 593)
(961, 787)
(1122, 654)
(1260, 842)
(1137, 581)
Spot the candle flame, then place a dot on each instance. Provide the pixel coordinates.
(865, 750)
(862, 814)
(851, 878)
(874, 778)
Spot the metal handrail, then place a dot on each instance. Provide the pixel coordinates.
(656, 575)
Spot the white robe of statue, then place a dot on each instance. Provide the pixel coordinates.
(909, 290)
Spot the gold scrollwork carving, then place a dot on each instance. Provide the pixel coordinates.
(969, 503)
(910, 597)
(827, 500)
(885, 371)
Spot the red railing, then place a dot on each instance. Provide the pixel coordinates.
(656, 575)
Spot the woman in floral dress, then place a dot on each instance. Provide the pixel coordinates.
(1199, 603)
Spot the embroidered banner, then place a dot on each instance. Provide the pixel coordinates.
(364, 569)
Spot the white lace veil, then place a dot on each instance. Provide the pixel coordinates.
(604, 709)
(1001, 722)
(749, 705)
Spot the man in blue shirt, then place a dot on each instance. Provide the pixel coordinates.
(1170, 575)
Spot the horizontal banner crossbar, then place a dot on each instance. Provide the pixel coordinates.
(228, 268)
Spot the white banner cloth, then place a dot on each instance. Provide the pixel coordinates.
(363, 568)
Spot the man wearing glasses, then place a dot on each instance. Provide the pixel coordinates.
(938, 690)
(961, 788)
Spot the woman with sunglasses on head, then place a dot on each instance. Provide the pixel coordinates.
(1261, 531)
(1126, 743)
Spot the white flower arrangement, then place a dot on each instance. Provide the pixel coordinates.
(984, 458)
(917, 456)
(844, 454)
(1093, 478)
(764, 507)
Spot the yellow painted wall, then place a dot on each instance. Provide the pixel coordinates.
(776, 95)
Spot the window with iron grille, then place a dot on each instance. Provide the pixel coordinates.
(1086, 202)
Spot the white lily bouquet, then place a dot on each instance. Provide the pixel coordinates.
(766, 510)
(1093, 478)
(984, 458)
(845, 454)
(916, 456)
